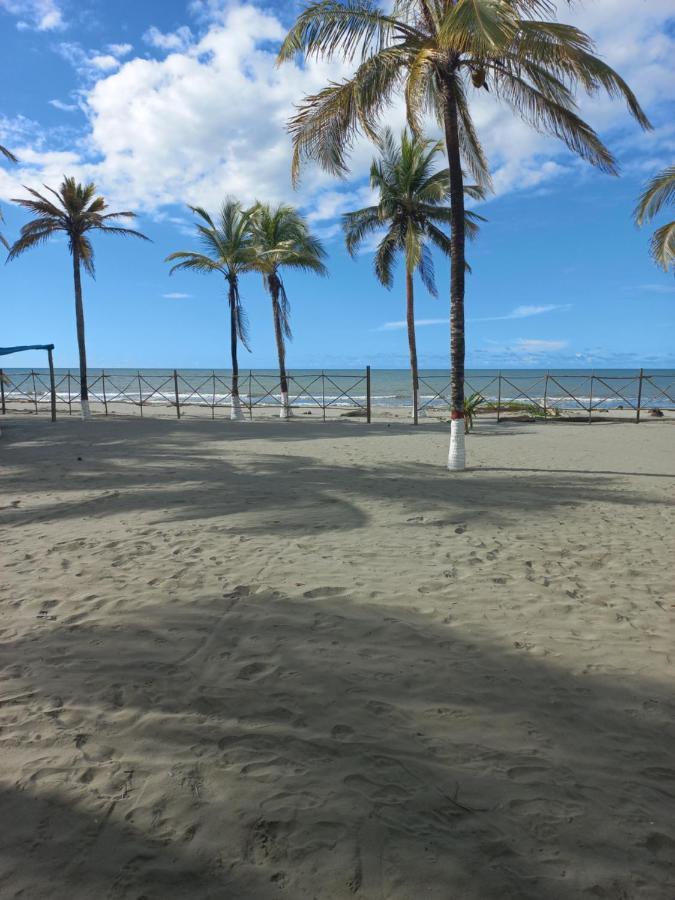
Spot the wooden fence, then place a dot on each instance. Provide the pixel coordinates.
(546, 395)
(187, 392)
(550, 394)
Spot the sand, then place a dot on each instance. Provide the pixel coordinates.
(301, 660)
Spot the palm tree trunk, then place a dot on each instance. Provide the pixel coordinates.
(235, 404)
(281, 348)
(81, 345)
(412, 343)
(456, 456)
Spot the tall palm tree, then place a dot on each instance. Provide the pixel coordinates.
(228, 250)
(440, 51)
(412, 204)
(74, 211)
(10, 156)
(659, 192)
(282, 240)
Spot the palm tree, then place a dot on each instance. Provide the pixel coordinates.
(440, 51)
(228, 250)
(75, 211)
(10, 156)
(412, 205)
(659, 192)
(282, 240)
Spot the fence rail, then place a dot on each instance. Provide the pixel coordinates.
(546, 394)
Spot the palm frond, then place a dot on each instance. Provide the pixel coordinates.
(8, 154)
(662, 246)
(658, 192)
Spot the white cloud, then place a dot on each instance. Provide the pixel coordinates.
(106, 62)
(398, 326)
(37, 15)
(176, 295)
(657, 288)
(179, 39)
(524, 312)
(119, 50)
(64, 107)
(538, 346)
(209, 118)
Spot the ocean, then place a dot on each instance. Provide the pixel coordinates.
(345, 388)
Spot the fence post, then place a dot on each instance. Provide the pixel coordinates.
(639, 399)
(52, 384)
(175, 392)
(590, 401)
(368, 410)
(499, 395)
(140, 393)
(545, 396)
(2, 392)
(323, 394)
(213, 401)
(105, 398)
(250, 395)
(70, 400)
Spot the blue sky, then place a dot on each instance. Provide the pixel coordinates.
(168, 103)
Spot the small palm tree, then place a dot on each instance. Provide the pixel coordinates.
(659, 192)
(440, 51)
(10, 156)
(228, 250)
(412, 204)
(74, 211)
(282, 240)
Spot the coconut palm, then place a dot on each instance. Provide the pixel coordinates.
(440, 51)
(75, 211)
(10, 156)
(227, 249)
(282, 240)
(659, 192)
(412, 206)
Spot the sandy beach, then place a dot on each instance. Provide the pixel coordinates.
(301, 660)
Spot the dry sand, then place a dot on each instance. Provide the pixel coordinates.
(300, 660)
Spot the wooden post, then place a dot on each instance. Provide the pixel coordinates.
(213, 398)
(639, 399)
(52, 383)
(140, 393)
(415, 402)
(590, 401)
(499, 394)
(250, 395)
(323, 394)
(2, 392)
(545, 396)
(105, 398)
(70, 401)
(35, 403)
(368, 409)
(175, 392)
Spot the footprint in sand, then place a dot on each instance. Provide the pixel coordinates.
(252, 671)
(341, 732)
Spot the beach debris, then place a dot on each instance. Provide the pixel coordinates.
(656, 412)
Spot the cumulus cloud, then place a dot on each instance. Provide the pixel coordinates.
(36, 15)
(208, 118)
(176, 295)
(179, 39)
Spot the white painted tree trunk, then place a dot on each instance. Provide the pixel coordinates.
(84, 410)
(285, 412)
(456, 456)
(236, 412)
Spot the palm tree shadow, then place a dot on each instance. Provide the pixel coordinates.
(365, 745)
